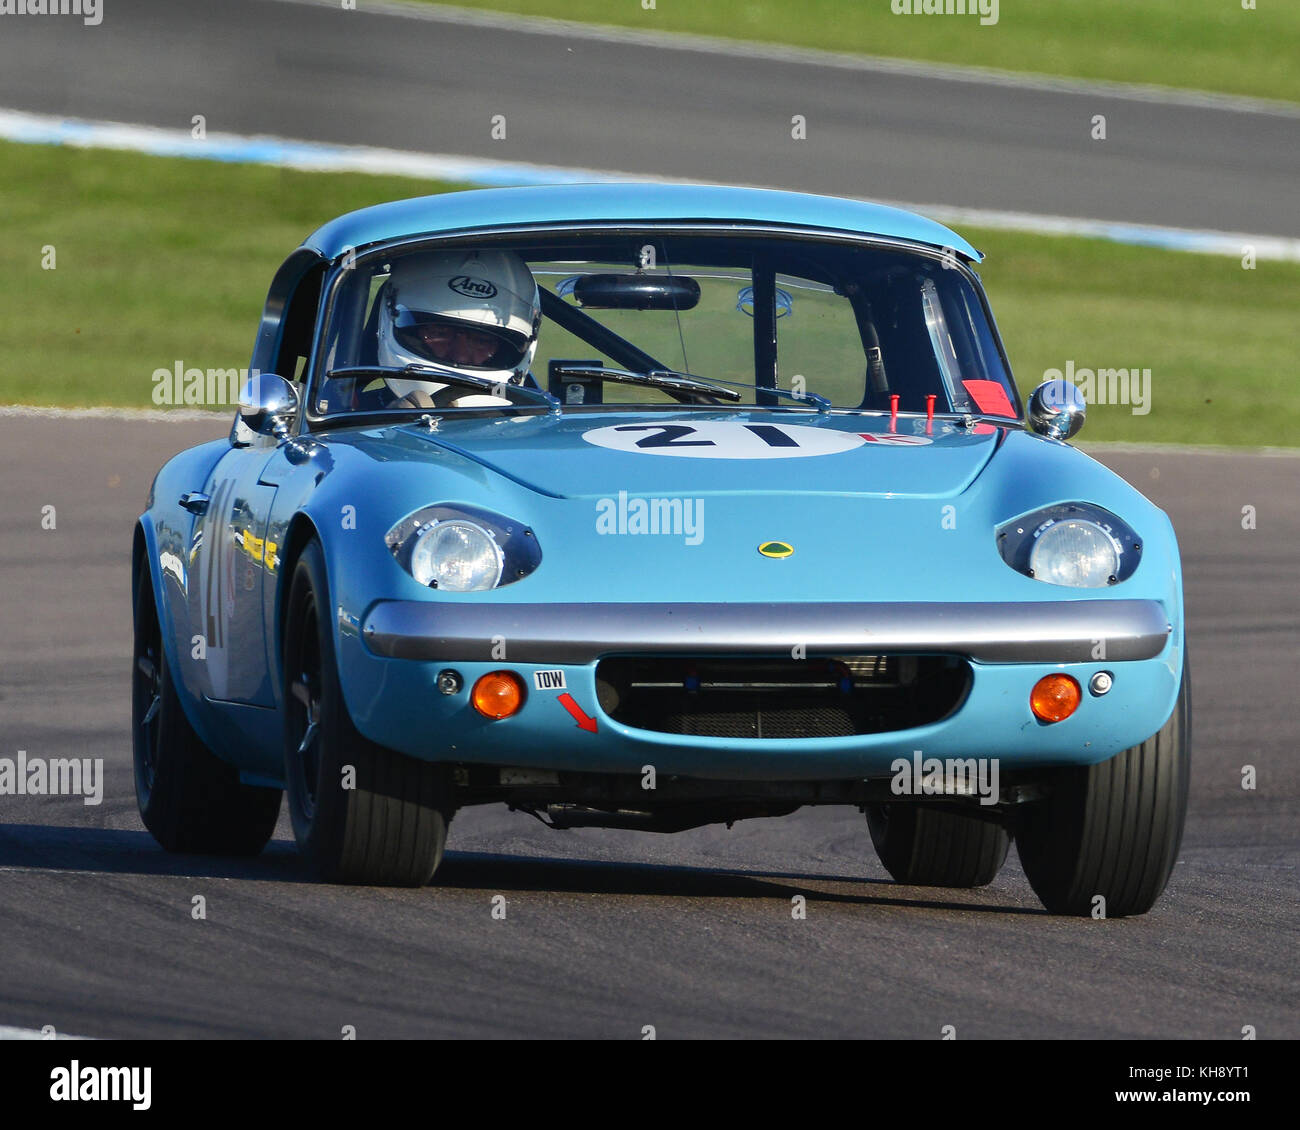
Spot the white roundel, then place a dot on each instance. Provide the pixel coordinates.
(723, 439)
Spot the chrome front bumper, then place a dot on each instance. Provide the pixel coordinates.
(1070, 631)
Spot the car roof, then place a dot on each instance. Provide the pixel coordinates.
(624, 202)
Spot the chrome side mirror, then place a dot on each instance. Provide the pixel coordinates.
(1057, 410)
(267, 405)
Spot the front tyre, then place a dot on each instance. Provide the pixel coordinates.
(936, 847)
(190, 800)
(361, 813)
(1112, 830)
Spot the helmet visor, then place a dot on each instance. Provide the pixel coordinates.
(458, 344)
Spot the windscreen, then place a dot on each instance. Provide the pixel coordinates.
(593, 319)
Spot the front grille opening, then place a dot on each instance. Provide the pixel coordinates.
(763, 697)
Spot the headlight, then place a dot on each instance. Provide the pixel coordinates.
(1075, 553)
(1074, 544)
(463, 549)
(457, 556)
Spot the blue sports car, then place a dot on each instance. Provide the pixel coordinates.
(649, 507)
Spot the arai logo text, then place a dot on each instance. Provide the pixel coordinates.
(472, 287)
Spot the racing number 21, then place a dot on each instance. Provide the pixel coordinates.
(673, 435)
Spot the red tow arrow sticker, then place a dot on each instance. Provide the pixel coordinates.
(585, 722)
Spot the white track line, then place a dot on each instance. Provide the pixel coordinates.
(1125, 447)
(10, 1033)
(173, 415)
(309, 156)
(779, 53)
(44, 129)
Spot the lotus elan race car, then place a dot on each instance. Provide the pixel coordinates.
(649, 507)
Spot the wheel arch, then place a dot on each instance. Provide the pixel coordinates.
(301, 531)
(144, 558)
(139, 553)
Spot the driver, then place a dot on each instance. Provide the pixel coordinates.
(475, 312)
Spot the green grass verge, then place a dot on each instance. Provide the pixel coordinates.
(157, 260)
(1197, 44)
(1220, 340)
(161, 260)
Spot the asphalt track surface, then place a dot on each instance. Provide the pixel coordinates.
(319, 72)
(607, 931)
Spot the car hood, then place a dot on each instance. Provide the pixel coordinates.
(878, 519)
(593, 455)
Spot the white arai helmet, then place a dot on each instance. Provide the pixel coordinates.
(476, 312)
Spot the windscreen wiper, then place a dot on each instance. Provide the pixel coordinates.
(671, 381)
(664, 379)
(439, 375)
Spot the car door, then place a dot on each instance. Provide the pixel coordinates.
(235, 561)
(229, 651)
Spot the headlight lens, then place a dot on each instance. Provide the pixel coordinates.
(1078, 544)
(1076, 553)
(463, 548)
(458, 556)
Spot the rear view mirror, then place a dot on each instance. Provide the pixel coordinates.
(637, 292)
